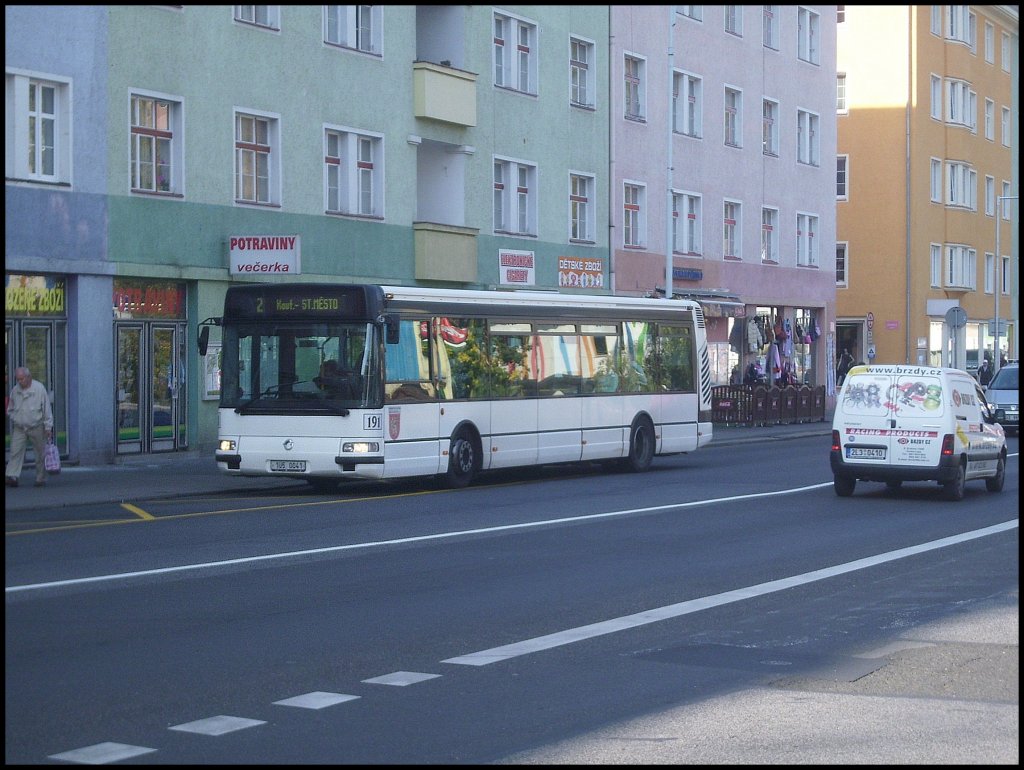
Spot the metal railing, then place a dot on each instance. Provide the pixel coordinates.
(752, 405)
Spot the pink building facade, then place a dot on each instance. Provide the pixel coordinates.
(723, 147)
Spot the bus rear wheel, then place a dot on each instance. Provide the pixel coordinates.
(463, 460)
(641, 446)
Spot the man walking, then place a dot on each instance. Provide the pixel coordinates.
(31, 420)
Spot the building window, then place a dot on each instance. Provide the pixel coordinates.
(353, 164)
(807, 240)
(936, 180)
(990, 120)
(686, 223)
(1004, 274)
(990, 266)
(807, 142)
(769, 235)
(961, 104)
(734, 20)
(260, 15)
(1005, 59)
(687, 104)
(809, 34)
(990, 196)
(936, 102)
(353, 26)
(634, 72)
(770, 26)
(841, 279)
(936, 20)
(38, 128)
(842, 169)
(1006, 126)
(732, 229)
(695, 12)
(515, 197)
(633, 221)
(769, 127)
(155, 144)
(515, 57)
(962, 186)
(581, 208)
(581, 76)
(256, 146)
(990, 43)
(936, 265)
(1006, 202)
(841, 92)
(733, 117)
(961, 267)
(960, 24)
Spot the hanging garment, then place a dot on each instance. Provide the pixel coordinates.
(754, 337)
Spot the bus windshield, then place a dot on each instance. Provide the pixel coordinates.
(300, 367)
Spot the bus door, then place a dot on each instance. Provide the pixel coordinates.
(555, 362)
(514, 394)
(411, 437)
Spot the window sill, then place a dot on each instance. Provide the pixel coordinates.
(584, 107)
(582, 242)
(350, 49)
(350, 215)
(634, 247)
(734, 146)
(517, 235)
(809, 267)
(635, 118)
(769, 262)
(256, 204)
(732, 258)
(157, 194)
(511, 90)
(41, 182)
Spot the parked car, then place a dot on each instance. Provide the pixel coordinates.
(1004, 393)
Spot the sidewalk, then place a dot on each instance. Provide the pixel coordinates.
(185, 474)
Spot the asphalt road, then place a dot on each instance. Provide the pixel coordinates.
(725, 607)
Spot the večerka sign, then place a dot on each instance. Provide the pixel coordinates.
(264, 254)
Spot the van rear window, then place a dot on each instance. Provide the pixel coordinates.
(866, 395)
(878, 395)
(917, 396)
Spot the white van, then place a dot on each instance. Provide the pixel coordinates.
(896, 423)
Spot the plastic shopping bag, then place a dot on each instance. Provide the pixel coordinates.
(51, 458)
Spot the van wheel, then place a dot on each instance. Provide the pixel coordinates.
(954, 490)
(844, 485)
(641, 446)
(995, 484)
(462, 461)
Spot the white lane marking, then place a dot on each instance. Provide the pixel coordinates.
(218, 725)
(316, 700)
(400, 540)
(401, 678)
(101, 753)
(504, 652)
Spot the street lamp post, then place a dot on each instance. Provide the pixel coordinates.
(997, 269)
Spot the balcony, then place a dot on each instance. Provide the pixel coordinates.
(445, 252)
(443, 93)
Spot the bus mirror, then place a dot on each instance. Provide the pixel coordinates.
(391, 329)
(204, 339)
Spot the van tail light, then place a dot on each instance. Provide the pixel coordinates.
(947, 445)
(835, 441)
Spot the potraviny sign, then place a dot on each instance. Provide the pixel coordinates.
(264, 254)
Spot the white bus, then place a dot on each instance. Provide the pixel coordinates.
(325, 382)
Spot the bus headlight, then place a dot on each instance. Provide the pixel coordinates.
(360, 447)
(227, 445)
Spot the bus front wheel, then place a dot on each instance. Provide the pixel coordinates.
(462, 461)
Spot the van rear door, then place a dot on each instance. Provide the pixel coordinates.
(917, 407)
(864, 417)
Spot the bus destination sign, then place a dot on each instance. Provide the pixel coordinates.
(302, 301)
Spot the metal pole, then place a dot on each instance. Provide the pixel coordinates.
(997, 268)
(669, 277)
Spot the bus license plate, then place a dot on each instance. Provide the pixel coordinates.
(865, 453)
(288, 465)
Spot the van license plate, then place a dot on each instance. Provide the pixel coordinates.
(288, 465)
(865, 453)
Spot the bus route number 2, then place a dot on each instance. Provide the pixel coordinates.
(371, 422)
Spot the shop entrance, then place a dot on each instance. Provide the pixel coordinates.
(38, 344)
(150, 382)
